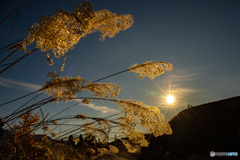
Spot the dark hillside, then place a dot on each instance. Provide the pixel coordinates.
(198, 130)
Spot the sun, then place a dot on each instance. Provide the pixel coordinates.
(170, 99)
(169, 96)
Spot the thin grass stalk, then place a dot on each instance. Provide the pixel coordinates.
(93, 118)
(22, 106)
(5, 64)
(19, 111)
(30, 109)
(18, 60)
(92, 82)
(70, 132)
(14, 22)
(19, 98)
(12, 12)
(10, 45)
(65, 109)
(70, 119)
(119, 73)
(63, 130)
(10, 54)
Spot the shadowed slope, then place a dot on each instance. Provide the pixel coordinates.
(198, 130)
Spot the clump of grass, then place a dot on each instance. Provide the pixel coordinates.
(57, 34)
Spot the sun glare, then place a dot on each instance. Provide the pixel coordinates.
(169, 96)
(170, 99)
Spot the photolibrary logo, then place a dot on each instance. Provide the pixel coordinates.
(212, 153)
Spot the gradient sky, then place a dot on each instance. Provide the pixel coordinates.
(199, 37)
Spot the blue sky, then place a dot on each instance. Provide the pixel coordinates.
(199, 37)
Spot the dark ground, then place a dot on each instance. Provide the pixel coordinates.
(199, 130)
